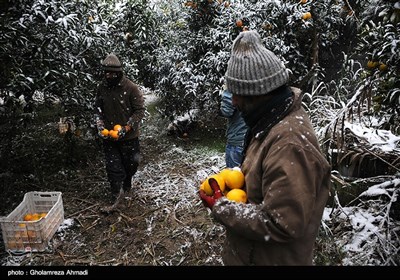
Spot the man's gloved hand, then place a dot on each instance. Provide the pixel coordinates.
(100, 128)
(100, 133)
(99, 123)
(123, 131)
(209, 201)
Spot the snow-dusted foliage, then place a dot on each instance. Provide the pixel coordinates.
(344, 55)
(55, 48)
(200, 34)
(325, 44)
(367, 230)
(380, 43)
(193, 56)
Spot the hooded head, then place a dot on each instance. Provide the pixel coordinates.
(111, 63)
(253, 69)
(113, 69)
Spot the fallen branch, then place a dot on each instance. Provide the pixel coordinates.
(83, 210)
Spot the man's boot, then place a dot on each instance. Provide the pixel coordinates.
(127, 183)
(117, 192)
(119, 197)
(116, 187)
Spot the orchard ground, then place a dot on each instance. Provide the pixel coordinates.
(161, 220)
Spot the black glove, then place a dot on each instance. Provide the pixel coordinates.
(209, 201)
(101, 131)
(123, 131)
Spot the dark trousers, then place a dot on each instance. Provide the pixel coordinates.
(122, 161)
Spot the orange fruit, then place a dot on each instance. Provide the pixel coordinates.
(42, 215)
(117, 127)
(239, 23)
(372, 64)
(225, 173)
(382, 66)
(220, 180)
(35, 217)
(303, 1)
(11, 245)
(113, 134)
(202, 185)
(28, 217)
(234, 179)
(207, 190)
(105, 132)
(237, 195)
(306, 16)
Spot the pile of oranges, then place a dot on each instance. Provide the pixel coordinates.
(113, 133)
(23, 232)
(34, 216)
(231, 183)
(26, 233)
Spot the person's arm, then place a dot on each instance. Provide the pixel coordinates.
(289, 199)
(138, 109)
(227, 110)
(98, 112)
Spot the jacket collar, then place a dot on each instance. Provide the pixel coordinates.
(267, 114)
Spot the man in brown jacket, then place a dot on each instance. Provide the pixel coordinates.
(119, 102)
(287, 178)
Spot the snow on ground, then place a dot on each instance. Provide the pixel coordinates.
(149, 98)
(365, 232)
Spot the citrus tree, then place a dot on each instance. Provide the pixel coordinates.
(58, 53)
(50, 53)
(193, 55)
(307, 35)
(380, 43)
(61, 44)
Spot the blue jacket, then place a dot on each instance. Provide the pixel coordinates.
(236, 128)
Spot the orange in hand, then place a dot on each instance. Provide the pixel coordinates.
(206, 185)
(234, 179)
(237, 195)
(113, 134)
(105, 132)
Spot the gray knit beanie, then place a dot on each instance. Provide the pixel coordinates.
(111, 63)
(252, 69)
